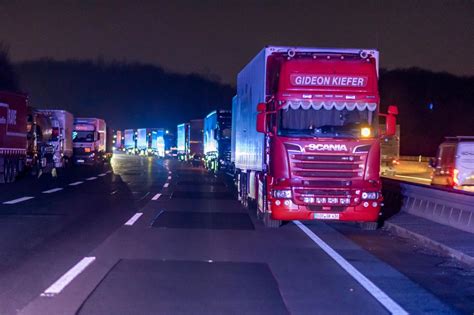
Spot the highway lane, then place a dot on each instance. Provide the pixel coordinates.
(194, 250)
(41, 237)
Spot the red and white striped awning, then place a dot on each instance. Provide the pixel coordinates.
(328, 105)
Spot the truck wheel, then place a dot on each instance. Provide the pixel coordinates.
(268, 222)
(369, 226)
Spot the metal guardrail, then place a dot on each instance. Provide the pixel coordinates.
(417, 158)
(442, 205)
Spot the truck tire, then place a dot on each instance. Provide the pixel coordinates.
(369, 226)
(268, 222)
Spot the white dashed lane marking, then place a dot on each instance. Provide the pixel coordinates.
(75, 183)
(65, 279)
(166, 185)
(134, 219)
(52, 190)
(155, 197)
(11, 202)
(91, 178)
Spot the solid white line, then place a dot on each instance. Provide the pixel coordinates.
(52, 190)
(134, 219)
(378, 294)
(166, 185)
(75, 183)
(65, 279)
(103, 174)
(91, 178)
(155, 197)
(17, 200)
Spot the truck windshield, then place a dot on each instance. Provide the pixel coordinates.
(83, 136)
(324, 123)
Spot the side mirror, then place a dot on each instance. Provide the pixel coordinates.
(216, 134)
(390, 121)
(432, 162)
(262, 122)
(261, 117)
(392, 110)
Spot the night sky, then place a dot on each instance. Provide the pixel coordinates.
(217, 38)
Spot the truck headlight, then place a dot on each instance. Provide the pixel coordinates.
(284, 193)
(365, 132)
(370, 195)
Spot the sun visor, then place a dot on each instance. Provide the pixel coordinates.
(329, 104)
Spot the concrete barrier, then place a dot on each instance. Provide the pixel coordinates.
(441, 205)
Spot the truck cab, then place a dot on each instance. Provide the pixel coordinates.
(89, 141)
(454, 162)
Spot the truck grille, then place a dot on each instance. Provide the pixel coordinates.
(326, 180)
(327, 166)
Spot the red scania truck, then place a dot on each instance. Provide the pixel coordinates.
(306, 142)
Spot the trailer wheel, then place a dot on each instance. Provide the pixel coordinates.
(368, 226)
(268, 222)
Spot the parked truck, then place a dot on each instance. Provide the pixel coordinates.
(39, 150)
(89, 141)
(195, 141)
(142, 141)
(13, 111)
(217, 133)
(182, 141)
(62, 124)
(118, 144)
(305, 132)
(129, 144)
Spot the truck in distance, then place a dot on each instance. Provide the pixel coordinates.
(182, 134)
(454, 162)
(305, 135)
(129, 141)
(39, 150)
(89, 141)
(217, 133)
(62, 123)
(195, 141)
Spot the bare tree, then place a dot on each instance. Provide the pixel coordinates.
(8, 78)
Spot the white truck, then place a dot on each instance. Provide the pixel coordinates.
(89, 141)
(454, 162)
(62, 123)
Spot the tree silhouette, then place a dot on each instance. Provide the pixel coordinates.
(8, 79)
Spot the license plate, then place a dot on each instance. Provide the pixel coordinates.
(326, 216)
(80, 161)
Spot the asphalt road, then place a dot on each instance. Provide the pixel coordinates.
(150, 236)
